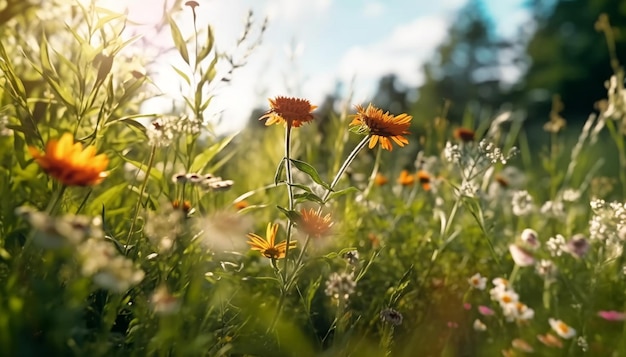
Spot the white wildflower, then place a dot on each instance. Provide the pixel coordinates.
(556, 245)
(340, 285)
(522, 203)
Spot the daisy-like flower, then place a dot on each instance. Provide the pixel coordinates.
(292, 112)
(561, 328)
(477, 281)
(69, 163)
(268, 246)
(383, 127)
(505, 297)
(314, 224)
(405, 178)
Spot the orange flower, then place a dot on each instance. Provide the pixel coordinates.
(424, 178)
(239, 205)
(185, 207)
(464, 134)
(380, 179)
(383, 126)
(405, 178)
(314, 224)
(267, 245)
(69, 163)
(291, 111)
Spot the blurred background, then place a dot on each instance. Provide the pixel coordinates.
(424, 57)
(447, 58)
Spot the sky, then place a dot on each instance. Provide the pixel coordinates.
(311, 45)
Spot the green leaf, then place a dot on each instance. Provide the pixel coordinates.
(179, 42)
(201, 161)
(291, 215)
(182, 75)
(208, 46)
(310, 293)
(343, 192)
(279, 172)
(107, 197)
(154, 172)
(310, 170)
(210, 73)
(307, 197)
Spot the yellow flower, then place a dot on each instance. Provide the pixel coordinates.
(313, 224)
(293, 112)
(69, 163)
(267, 246)
(406, 179)
(383, 126)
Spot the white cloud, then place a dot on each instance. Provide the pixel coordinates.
(401, 53)
(292, 11)
(373, 9)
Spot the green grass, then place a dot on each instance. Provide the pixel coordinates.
(116, 268)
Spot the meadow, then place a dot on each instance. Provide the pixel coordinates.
(362, 233)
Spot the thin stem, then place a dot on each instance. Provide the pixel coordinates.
(141, 193)
(298, 262)
(372, 179)
(345, 165)
(51, 206)
(289, 178)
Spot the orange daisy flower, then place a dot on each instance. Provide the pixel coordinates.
(267, 246)
(424, 178)
(405, 178)
(293, 112)
(380, 179)
(313, 224)
(69, 163)
(383, 127)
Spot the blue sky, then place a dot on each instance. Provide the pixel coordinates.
(310, 45)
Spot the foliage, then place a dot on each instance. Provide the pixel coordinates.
(473, 244)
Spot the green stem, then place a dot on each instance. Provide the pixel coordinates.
(49, 209)
(513, 274)
(289, 178)
(345, 165)
(372, 179)
(141, 193)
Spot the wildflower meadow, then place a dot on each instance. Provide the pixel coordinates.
(361, 232)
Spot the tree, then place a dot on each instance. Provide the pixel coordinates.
(568, 57)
